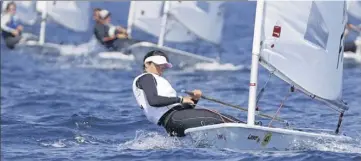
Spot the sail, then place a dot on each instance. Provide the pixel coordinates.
(147, 16)
(25, 11)
(303, 43)
(354, 10)
(204, 19)
(71, 14)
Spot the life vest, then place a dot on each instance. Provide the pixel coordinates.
(164, 88)
(13, 22)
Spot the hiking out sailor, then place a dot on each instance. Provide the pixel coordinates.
(163, 106)
(10, 27)
(114, 38)
(351, 45)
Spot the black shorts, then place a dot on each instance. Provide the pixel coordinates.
(11, 40)
(177, 121)
(350, 46)
(121, 45)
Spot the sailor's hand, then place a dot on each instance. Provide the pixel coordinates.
(197, 94)
(15, 32)
(187, 99)
(121, 29)
(20, 28)
(122, 36)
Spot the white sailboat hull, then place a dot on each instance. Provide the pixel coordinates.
(246, 137)
(178, 58)
(41, 48)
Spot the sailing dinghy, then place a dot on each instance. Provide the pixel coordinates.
(178, 22)
(73, 15)
(301, 43)
(354, 11)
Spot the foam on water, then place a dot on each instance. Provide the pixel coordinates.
(336, 146)
(145, 140)
(82, 49)
(56, 144)
(92, 62)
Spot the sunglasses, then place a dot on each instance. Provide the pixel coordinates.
(162, 66)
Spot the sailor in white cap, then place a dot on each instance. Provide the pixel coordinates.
(117, 31)
(114, 38)
(161, 104)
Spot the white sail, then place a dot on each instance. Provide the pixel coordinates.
(25, 11)
(71, 14)
(354, 9)
(147, 16)
(303, 42)
(204, 19)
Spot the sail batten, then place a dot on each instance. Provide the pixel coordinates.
(306, 51)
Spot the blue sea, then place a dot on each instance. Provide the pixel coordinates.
(81, 107)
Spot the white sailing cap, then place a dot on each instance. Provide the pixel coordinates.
(103, 13)
(159, 60)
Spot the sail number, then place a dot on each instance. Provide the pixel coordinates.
(266, 139)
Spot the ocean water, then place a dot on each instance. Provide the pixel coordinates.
(81, 107)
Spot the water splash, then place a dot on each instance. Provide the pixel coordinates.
(339, 147)
(151, 140)
(56, 144)
(79, 139)
(320, 144)
(82, 49)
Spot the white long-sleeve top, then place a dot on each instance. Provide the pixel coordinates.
(5, 20)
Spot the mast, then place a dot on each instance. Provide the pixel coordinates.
(130, 18)
(43, 24)
(164, 23)
(254, 67)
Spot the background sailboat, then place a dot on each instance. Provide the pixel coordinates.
(167, 20)
(146, 16)
(306, 52)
